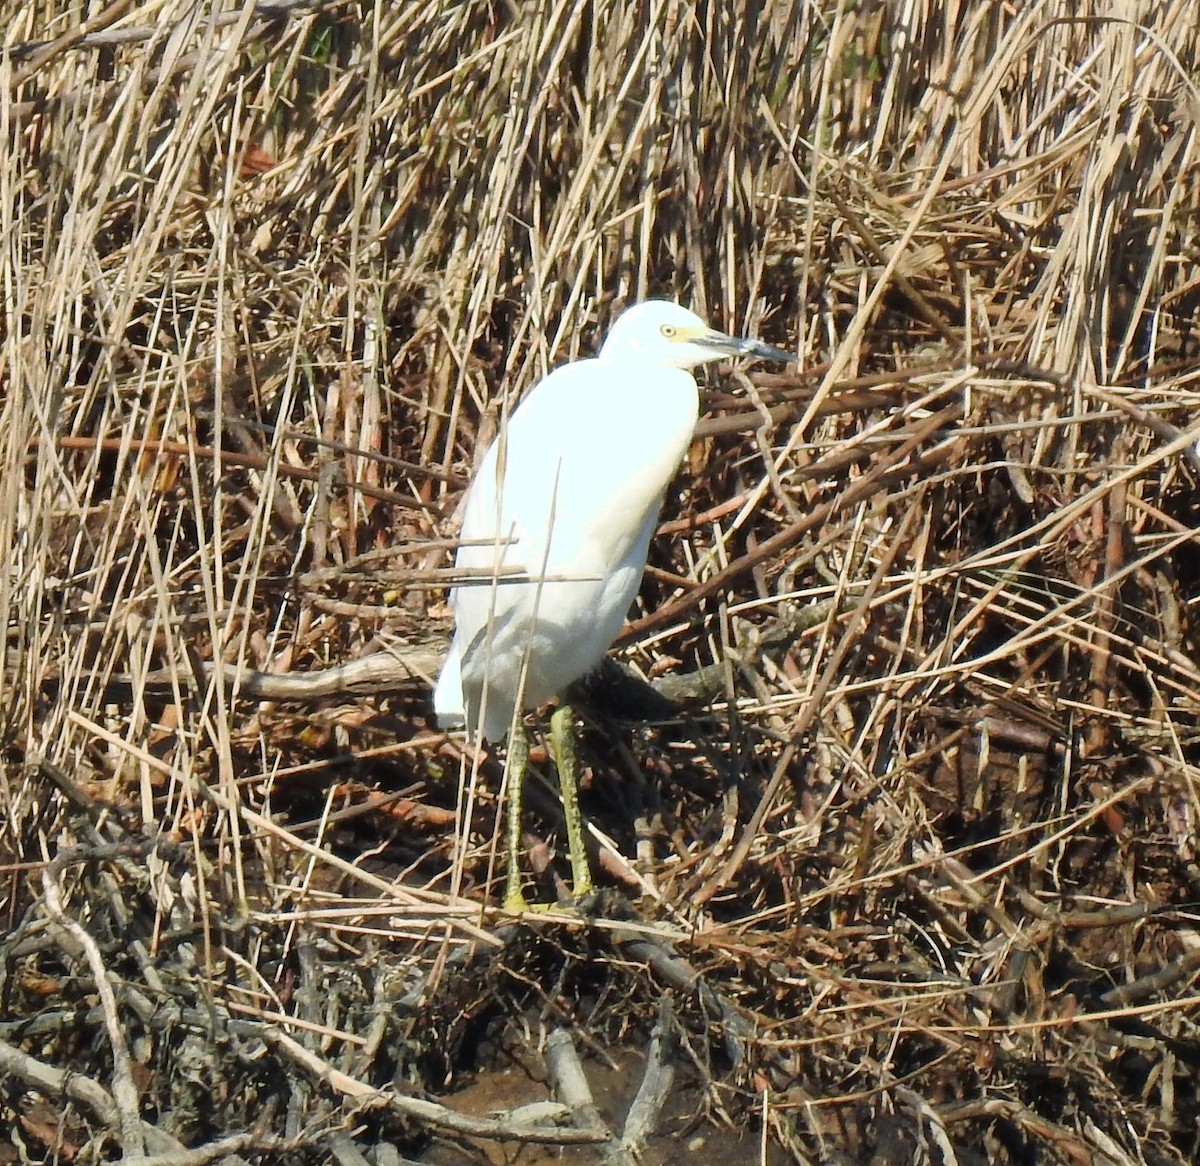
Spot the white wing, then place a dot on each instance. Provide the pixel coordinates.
(570, 494)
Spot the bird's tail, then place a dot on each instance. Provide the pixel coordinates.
(448, 695)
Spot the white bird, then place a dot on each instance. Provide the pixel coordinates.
(557, 523)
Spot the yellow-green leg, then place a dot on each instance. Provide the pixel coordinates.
(515, 764)
(562, 736)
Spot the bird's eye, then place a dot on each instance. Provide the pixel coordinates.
(668, 330)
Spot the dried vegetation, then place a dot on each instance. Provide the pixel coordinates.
(909, 873)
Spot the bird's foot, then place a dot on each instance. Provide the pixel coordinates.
(516, 904)
(580, 902)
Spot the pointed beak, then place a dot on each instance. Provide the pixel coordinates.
(739, 346)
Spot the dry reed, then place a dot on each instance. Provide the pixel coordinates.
(930, 844)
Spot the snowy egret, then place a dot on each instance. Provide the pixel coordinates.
(560, 515)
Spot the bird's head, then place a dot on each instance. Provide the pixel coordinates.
(668, 334)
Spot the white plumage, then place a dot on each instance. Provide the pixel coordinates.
(570, 495)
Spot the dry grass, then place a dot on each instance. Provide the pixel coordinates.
(930, 843)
